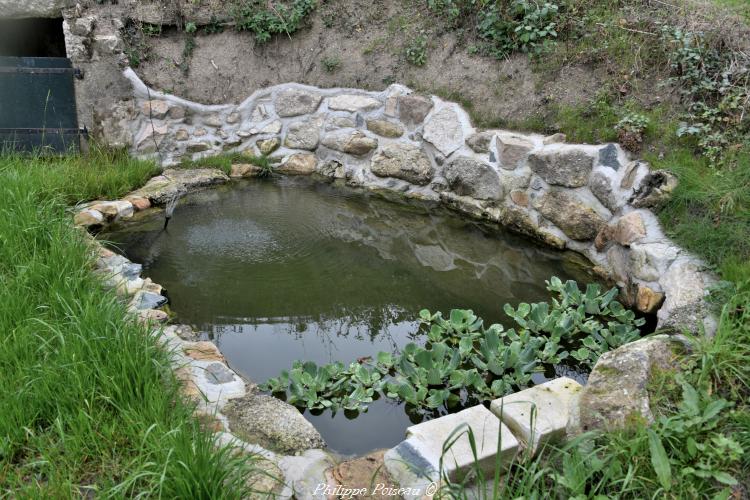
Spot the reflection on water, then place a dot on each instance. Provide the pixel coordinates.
(289, 269)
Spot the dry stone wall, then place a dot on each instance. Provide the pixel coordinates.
(593, 199)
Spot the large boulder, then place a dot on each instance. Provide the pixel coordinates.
(403, 161)
(617, 389)
(271, 423)
(294, 102)
(569, 167)
(570, 213)
(444, 131)
(467, 176)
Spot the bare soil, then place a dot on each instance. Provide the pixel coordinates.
(368, 38)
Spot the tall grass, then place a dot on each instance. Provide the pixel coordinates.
(88, 404)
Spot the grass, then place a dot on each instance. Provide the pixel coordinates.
(89, 403)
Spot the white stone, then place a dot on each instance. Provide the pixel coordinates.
(539, 415)
(428, 438)
(352, 103)
(118, 209)
(648, 261)
(444, 131)
(272, 128)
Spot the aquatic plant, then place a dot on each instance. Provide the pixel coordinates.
(464, 361)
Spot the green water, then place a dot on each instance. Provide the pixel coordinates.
(285, 269)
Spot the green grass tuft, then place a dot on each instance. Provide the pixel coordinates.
(89, 402)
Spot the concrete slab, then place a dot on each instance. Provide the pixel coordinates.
(491, 438)
(539, 415)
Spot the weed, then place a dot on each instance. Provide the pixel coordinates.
(331, 63)
(266, 20)
(416, 50)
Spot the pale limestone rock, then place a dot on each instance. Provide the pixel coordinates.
(413, 108)
(155, 109)
(299, 164)
(213, 120)
(685, 285)
(512, 150)
(649, 261)
(272, 128)
(480, 142)
(295, 102)
(569, 167)
(617, 389)
(600, 185)
(181, 135)
(647, 300)
(114, 210)
(352, 103)
(271, 423)
(244, 170)
(268, 146)
(355, 143)
(467, 176)
(88, 218)
(338, 122)
(554, 139)
(303, 134)
(385, 128)
(150, 136)
(233, 117)
(629, 229)
(519, 197)
(570, 213)
(403, 161)
(443, 130)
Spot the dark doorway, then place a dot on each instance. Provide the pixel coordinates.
(32, 37)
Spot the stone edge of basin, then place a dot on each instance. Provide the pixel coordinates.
(522, 423)
(591, 199)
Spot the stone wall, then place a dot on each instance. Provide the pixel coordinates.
(592, 199)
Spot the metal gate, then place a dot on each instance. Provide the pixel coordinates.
(38, 105)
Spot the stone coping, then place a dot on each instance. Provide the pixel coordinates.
(592, 199)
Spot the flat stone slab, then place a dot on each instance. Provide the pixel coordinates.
(539, 415)
(491, 437)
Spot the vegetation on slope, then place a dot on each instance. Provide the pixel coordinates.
(89, 404)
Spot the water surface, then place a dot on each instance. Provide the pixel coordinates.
(285, 269)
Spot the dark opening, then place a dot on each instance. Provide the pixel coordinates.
(32, 37)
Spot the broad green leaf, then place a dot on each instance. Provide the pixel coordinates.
(659, 460)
